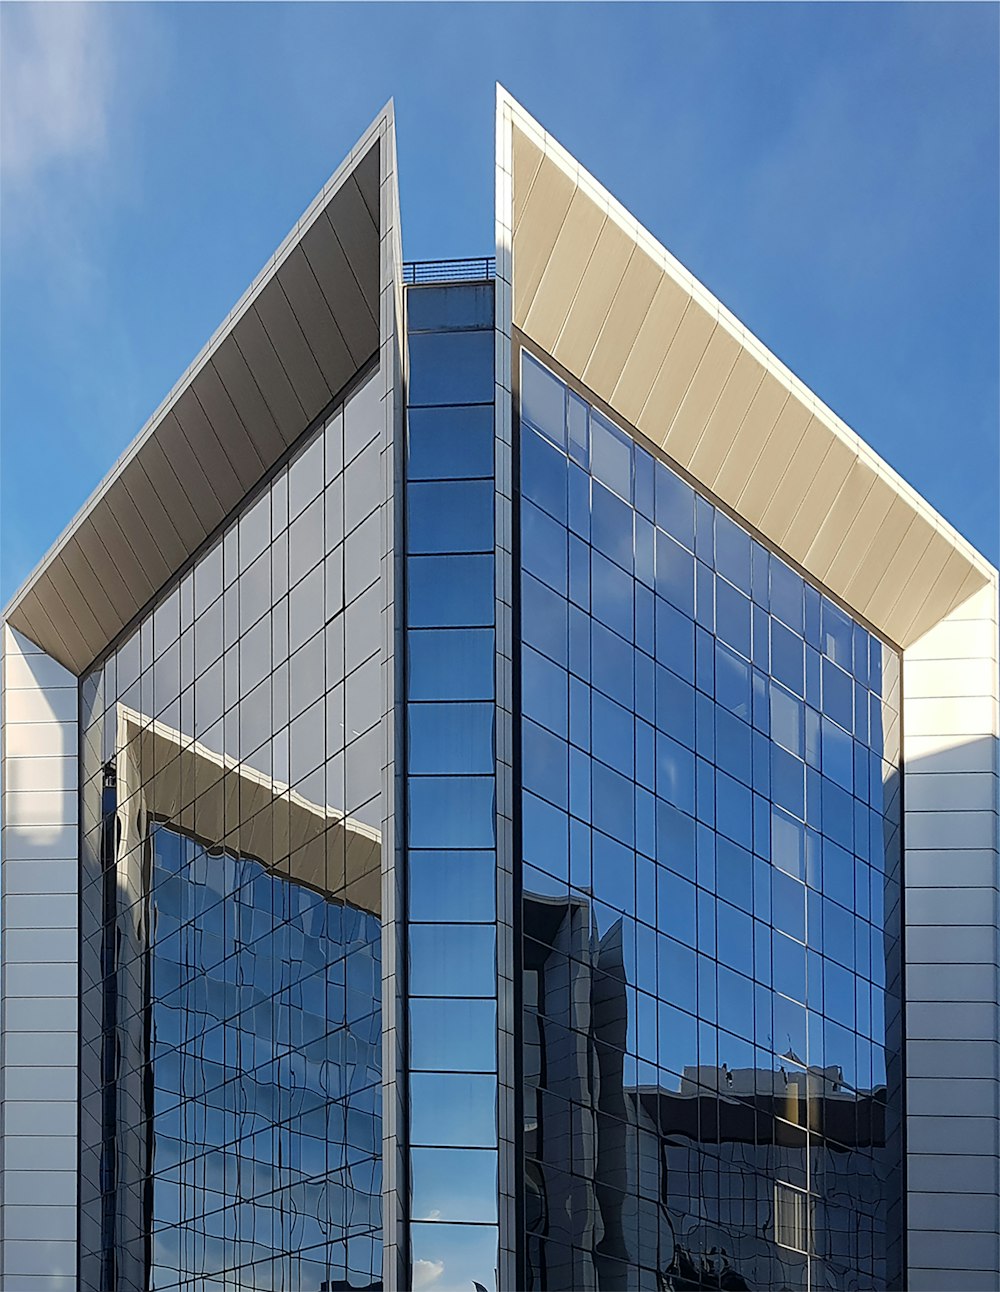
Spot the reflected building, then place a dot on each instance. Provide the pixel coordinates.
(499, 793)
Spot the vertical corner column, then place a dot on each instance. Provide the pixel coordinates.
(39, 967)
(952, 949)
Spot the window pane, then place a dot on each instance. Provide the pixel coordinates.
(451, 811)
(453, 1035)
(543, 400)
(452, 442)
(453, 1109)
(447, 516)
(451, 664)
(451, 368)
(455, 738)
(452, 886)
(450, 590)
(452, 960)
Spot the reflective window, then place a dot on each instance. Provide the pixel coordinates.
(451, 878)
(709, 1081)
(231, 933)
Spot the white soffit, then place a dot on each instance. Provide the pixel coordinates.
(596, 291)
(303, 329)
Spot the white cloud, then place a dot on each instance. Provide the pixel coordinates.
(426, 1272)
(58, 72)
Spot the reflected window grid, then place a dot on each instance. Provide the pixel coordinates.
(231, 1035)
(711, 842)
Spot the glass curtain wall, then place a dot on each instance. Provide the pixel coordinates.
(710, 910)
(451, 789)
(230, 926)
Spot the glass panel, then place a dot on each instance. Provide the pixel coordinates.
(704, 994)
(451, 368)
(458, 1183)
(453, 1035)
(452, 960)
(451, 664)
(445, 516)
(452, 442)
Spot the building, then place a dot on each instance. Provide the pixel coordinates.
(500, 791)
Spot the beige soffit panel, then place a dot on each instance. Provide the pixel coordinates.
(673, 362)
(303, 329)
(201, 793)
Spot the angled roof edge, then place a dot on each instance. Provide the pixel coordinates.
(954, 569)
(296, 361)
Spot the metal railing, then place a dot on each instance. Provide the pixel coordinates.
(473, 269)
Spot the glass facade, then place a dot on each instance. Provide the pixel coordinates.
(451, 790)
(705, 912)
(710, 889)
(231, 759)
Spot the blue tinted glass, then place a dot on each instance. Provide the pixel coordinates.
(452, 960)
(544, 547)
(674, 773)
(732, 552)
(838, 755)
(838, 635)
(450, 590)
(612, 664)
(450, 664)
(838, 695)
(453, 1109)
(611, 527)
(447, 516)
(451, 308)
(544, 619)
(786, 595)
(787, 657)
(645, 482)
(732, 682)
(544, 691)
(455, 737)
(612, 595)
(467, 1252)
(674, 506)
(610, 455)
(675, 707)
(451, 368)
(452, 886)
(674, 640)
(451, 812)
(453, 1035)
(578, 429)
(612, 734)
(545, 764)
(460, 1183)
(734, 810)
(543, 400)
(674, 573)
(456, 443)
(732, 617)
(613, 804)
(544, 475)
(545, 835)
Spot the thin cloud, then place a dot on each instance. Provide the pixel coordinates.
(58, 72)
(425, 1273)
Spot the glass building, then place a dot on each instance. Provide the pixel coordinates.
(500, 792)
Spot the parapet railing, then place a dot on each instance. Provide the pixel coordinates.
(472, 269)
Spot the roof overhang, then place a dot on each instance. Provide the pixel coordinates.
(306, 326)
(595, 290)
(230, 804)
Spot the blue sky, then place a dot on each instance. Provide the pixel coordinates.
(829, 171)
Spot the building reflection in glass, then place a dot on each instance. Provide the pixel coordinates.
(710, 911)
(231, 1025)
